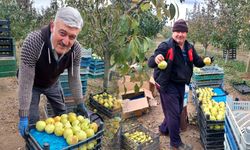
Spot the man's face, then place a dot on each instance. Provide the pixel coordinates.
(179, 37)
(63, 36)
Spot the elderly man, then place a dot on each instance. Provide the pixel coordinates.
(44, 56)
(180, 56)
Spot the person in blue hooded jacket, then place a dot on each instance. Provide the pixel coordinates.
(45, 54)
(180, 56)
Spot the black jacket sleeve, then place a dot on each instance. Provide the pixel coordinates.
(198, 61)
(162, 49)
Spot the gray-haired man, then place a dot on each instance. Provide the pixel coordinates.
(44, 56)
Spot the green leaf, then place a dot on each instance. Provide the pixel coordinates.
(124, 24)
(154, 2)
(172, 11)
(145, 6)
(136, 88)
(159, 15)
(145, 45)
(133, 47)
(134, 24)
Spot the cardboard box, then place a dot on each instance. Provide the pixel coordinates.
(135, 104)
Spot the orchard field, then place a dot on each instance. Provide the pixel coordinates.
(10, 139)
(122, 33)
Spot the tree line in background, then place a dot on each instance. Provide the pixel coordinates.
(121, 32)
(118, 31)
(222, 23)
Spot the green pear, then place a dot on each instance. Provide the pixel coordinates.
(40, 125)
(162, 65)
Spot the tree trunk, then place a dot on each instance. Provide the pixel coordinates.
(106, 70)
(248, 64)
(205, 45)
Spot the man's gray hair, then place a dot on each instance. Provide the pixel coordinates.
(70, 16)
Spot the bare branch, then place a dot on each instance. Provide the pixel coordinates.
(135, 7)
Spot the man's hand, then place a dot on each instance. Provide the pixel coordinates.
(81, 108)
(159, 58)
(23, 125)
(212, 59)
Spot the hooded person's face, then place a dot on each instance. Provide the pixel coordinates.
(63, 36)
(179, 37)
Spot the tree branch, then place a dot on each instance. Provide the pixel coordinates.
(100, 22)
(135, 7)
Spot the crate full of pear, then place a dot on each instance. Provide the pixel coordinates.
(67, 131)
(140, 138)
(106, 104)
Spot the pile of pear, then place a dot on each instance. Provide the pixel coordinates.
(214, 111)
(74, 128)
(138, 137)
(108, 101)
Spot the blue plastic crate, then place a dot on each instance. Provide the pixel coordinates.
(84, 76)
(220, 98)
(86, 59)
(65, 85)
(238, 115)
(230, 137)
(97, 62)
(35, 140)
(96, 67)
(85, 63)
(55, 142)
(96, 71)
(219, 91)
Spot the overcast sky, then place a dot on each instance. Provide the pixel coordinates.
(188, 4)
(39, 4)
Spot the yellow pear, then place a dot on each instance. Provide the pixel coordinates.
(207, 61)
(162, 65)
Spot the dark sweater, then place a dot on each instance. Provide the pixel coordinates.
(46, 77)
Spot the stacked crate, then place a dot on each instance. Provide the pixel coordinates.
(65, 83)
(96, 68)
(237, 125)
(84, 71)
(211, 130)
(7, 51)
(229, 53)
(208, 76)
(86, 58)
